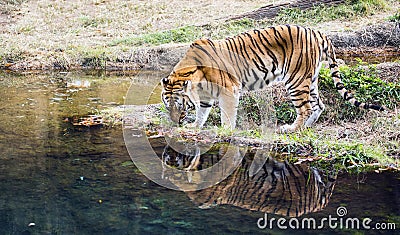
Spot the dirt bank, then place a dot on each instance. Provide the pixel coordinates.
(381, 40)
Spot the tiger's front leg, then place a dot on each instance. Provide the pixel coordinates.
(229, 102)
(203, 109)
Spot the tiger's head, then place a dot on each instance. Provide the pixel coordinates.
(177, 92)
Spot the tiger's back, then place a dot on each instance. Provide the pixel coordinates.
(221, 70)
(276, 54)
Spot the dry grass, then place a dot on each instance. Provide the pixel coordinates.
(42, 34)
(63, 31)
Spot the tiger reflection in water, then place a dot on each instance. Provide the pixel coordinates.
(278, 187)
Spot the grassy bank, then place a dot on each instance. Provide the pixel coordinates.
(351, 10)
(99, 34)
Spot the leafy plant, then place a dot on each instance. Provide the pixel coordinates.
(363, 79)
(285, 112)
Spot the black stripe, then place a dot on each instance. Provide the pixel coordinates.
(339, 86)
(298, 92)
(211, 42)
(267, 47)
(291, 80)
(333, 65)
(347, 96)
(278, 42)
(205, 105)
(255, 44)
(245, 55)
(236, 53)
(302, 104)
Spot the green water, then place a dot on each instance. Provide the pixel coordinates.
(69, 180)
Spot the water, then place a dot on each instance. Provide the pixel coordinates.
(373, 56)
(69, 180)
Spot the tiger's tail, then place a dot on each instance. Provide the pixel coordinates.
(339, 84)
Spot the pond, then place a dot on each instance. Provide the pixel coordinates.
(57, 178)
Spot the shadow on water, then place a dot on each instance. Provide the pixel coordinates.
(66, 180)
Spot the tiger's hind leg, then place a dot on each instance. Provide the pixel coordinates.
(317, 106)
(300, 96)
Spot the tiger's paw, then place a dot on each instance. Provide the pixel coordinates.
(192, 125)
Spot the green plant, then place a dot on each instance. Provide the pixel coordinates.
(369, 87)
(395, 17)
(285, 112)
(362, 80)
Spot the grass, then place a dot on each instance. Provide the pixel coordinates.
(369, 87)
(67, 34)
(6, 6)
(346, 154)
(184, 34)
(366, 86)
(321, 13)
(53, 32)
(395, 17)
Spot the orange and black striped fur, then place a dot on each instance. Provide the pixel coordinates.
(278, 188)
(274, 187)
(221, 70)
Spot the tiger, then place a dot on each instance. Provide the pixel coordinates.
(277, 187)
(222, 69)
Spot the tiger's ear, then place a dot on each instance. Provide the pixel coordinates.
(164, 81)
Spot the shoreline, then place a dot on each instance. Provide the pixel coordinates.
(374, 41)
